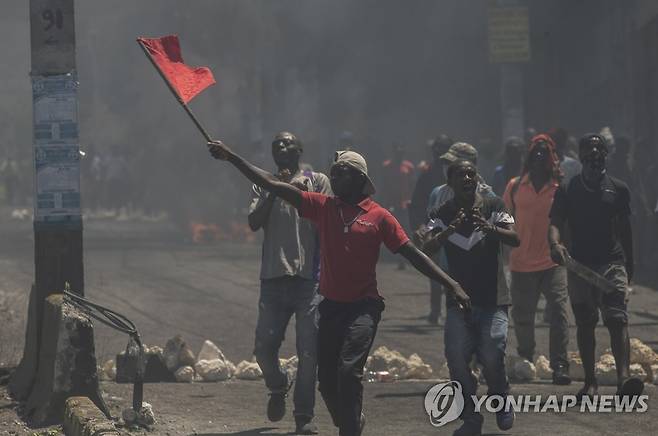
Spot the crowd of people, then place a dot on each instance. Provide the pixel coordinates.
(546, 209)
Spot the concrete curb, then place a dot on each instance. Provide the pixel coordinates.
(83, 418)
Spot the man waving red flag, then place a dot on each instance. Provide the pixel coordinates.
(185, 81)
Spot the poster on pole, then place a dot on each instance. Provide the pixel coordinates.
(509, 34)
(56, 147)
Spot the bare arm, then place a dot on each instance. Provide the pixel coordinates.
(425, 266)
(262, 178)
(559, 252)
(258, 217)
(626, 240)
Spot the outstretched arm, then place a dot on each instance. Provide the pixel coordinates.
(262, 178)
(425, 266)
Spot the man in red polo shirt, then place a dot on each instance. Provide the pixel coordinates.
(352, 228)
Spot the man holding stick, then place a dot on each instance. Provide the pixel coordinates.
(289, 284)
(597, 209)
(351, 228)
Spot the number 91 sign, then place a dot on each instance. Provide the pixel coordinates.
(52, 35)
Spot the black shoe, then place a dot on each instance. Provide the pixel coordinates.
(276, 406)
(561, 376)
(304, 425)
(630, 387)
(505, 419)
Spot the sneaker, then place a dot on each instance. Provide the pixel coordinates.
(276, 406)
(471, 426)
(505, 419)
(304, 425)
(561, 376)
(630, 387)
(362, 424)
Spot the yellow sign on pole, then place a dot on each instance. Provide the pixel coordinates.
(509, 39)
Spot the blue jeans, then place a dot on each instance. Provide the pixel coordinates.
(280, 298)
(482, 331)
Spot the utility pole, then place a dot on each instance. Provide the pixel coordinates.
(509, 46)
(57, 216)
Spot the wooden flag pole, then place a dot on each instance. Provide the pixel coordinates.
(173, 91)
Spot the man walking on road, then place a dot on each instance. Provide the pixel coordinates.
(472, 229)
(352, 228)
(529, 198)
(289, 284)
(597, 209)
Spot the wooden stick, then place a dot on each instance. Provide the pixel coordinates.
(173, 91)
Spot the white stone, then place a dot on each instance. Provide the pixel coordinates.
(642, 353)
(214, 370)
(248, 371)
(210, 351)
(109, 371)
(636, 370)
(525, 370)
(543, 367)
(418, 369)
(184, 374)
(392, 361)
(146, 417)
(606, 372)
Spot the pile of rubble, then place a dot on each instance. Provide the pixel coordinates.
(388, 365)
(644, 365)
(176, 362)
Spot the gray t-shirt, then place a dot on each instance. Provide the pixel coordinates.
(290, 243)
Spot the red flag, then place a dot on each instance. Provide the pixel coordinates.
(184, 80)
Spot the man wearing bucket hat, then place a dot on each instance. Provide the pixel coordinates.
(352, 228)
(438, 197)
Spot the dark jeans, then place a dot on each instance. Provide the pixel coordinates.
(345, 336)
(526, 289)
(280, 298)
(436, 295)
(481, 331)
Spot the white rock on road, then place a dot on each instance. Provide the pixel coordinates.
(184, 374)
(543, 367)
(214, 370)
(248, 371)
(210, 351)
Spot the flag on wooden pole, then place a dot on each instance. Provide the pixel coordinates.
(185, 81)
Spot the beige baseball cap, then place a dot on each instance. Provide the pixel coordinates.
(356, 161)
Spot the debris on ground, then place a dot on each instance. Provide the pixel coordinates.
(185, 374)
(248, 370)
(520, 369)
(144, 418)
(543, 367)
(398, 366)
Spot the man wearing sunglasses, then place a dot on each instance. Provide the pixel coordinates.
(352, 228)
(597, 209)
(289, 284)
